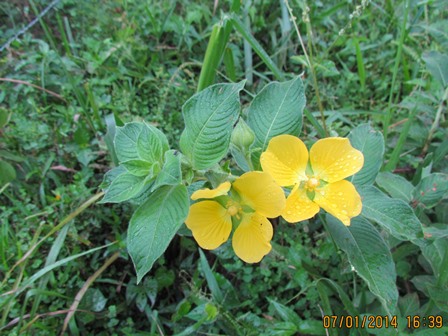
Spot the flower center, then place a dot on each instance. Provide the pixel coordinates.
(312, 183)
(233, 208)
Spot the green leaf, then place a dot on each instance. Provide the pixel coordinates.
(431, 190)
(371, 144)
(277, 109)
(122, 188)
(139, 141)
(138, 167)
(369, 256)
(171, 171)
(437, 255)
(209, 118)
(154, 224)
(393, 214)
(7, 172)
(395, 185)
(210, 277)
(437, 64)
(111, 175)
(4, 117)
(111, 125)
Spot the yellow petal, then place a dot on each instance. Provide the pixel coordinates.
(221, 190)
(251, 240)
(259, 191)
(210, 223)
(334, 159)
(285, 159)
(339, 199)
(298, 206)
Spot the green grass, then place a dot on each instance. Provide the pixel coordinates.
(141, 60)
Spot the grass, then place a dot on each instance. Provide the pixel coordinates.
(84, 63)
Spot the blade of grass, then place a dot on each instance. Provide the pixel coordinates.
(309, 60)
(64, 222)
(436, 122)
(212, 58)
(256, 46)
(211, 280)
(229, 64)
(84, 288)
(395, 156)
(403, 34)
(360, 63)
(51, 258)
(248, 66)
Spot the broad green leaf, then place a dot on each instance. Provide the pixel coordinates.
(111, 175)
(409, 304)
(139, 141)
(391, 213)
(395, 185)
(438, 294)
(371, 144)
(7, 172)
(437, 255)
(369, 256)
(122, 188)
(152, 144)
(437, 64)
(431, 190)
(171, 171)
(154, 224)
(209, 118)
(138, 167)
(111, 124)
(277, 109)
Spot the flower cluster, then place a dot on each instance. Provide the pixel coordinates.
(316, 180)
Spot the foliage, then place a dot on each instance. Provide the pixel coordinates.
(123, 90)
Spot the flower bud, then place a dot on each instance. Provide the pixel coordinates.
(242, 135)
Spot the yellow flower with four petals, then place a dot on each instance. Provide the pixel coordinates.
(244, 205)
(318, 179)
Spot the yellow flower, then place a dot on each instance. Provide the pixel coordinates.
(318, 183)
(254, 196)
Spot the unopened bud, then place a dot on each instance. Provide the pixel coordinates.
(242, 135)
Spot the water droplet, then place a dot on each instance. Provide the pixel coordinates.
(344, 212)
(288, 212)
(340, 194)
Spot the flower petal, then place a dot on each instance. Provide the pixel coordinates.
(259, 191)
(334, 159)
(210, 223)
(285, 159)
(221, 190)
(340, 199)
(298, 206)
(251, 240)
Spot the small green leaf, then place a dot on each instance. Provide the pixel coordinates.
(210, 277)
(437, 64)
(371, 144)
(139, 141)
(395, 185)
(277, 109)
(122, 188)
(370, 257)
(4, 117)
(138, 167)
(7, 172)
(431, 190)
(154, 224)
(437, 254)
(391, 213)
(171, 171)
(209, 118)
